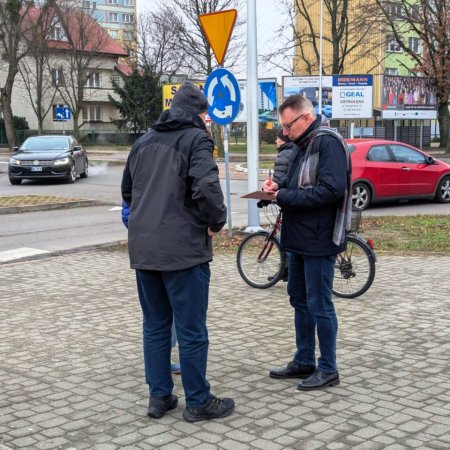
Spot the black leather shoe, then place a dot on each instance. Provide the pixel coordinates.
(292, 370)
(158, 406)
(319, 380)
(215, 408)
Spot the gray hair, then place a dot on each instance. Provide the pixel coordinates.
(298, 103)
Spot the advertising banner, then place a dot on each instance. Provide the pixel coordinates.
(352, 96)
(169, 91)
(308, 86)
(408, 98)
(267, 101)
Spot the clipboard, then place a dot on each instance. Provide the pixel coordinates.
(259, 195)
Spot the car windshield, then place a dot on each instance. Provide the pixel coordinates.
(45, 144)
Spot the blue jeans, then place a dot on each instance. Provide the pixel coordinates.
(182, 294)
(310, 294)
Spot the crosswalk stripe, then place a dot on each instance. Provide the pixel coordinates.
(22, 252)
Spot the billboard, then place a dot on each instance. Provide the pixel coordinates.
(408, 98)
(308, 86)
(169, 91)
(352, 97)
(267, 101)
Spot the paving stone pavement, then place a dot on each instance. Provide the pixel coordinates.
(71, 370)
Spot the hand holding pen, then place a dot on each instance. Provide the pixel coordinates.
(270, 186)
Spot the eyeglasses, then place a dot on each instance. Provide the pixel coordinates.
(289, 125)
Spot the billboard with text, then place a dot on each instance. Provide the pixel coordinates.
(408, 98)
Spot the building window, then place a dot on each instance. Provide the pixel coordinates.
(390, 71)
(113, 17)
(128, 18)
(92, 113)
(87, 5)
(57, 77)
(393, 45)
(112, 2)
(413, 44)
(114, 34)
(57, 34)
(395, 11)
(128, 2)
(93, 80)
(127, 35)
(116, 78)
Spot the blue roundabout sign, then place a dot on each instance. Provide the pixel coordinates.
(224, 96)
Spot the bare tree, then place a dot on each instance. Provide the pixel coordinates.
(349, 36)
(35, 69)
(15, 23)
(82, 45)
(157, 46)
(196, 57)
(429, 20)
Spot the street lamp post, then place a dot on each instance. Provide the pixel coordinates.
(320, 56)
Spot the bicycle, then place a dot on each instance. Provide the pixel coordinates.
(262, 263)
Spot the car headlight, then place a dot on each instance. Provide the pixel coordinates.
(60, 162)
(15, 162)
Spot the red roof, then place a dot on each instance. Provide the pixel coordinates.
(85, 34)
(124, 69)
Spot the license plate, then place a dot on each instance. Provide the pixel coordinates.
(36, 169)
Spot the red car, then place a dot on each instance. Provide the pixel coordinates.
(389, 170)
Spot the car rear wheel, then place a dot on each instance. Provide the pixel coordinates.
(14, 181)
(361, 196)
(443, 191)
(86, 170)
(72, 174)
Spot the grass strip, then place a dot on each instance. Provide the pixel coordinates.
(395, 235)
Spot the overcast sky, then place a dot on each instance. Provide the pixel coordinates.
(269, 19)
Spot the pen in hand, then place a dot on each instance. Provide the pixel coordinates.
(270, 177)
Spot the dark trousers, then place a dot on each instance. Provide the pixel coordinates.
(310, 293)
(183, 295)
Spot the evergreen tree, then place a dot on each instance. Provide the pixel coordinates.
(140, 100)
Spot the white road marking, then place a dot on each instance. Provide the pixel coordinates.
(21, 252)
(116, 208)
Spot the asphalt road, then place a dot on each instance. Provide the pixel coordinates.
(59, 230)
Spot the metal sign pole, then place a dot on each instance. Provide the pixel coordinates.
(252, 117)
(395, 130)
(227, 176)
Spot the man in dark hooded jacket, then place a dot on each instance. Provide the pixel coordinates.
(172, 185)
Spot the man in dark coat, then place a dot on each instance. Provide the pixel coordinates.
(172, 185)
(312, 196)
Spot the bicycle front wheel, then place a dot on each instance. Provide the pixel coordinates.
(260, 260)
(354, 270)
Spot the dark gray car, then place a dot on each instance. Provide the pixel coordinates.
(48, 157)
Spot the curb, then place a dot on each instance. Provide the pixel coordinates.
(51, 206)
(55, 253)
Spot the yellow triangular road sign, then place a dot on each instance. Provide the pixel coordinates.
(217, 27)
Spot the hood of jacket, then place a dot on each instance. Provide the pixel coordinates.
(178, 119)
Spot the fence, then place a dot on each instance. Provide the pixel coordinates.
(238, 135)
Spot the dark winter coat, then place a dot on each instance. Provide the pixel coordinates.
(172, 185)
(282, 161)
(309, 214)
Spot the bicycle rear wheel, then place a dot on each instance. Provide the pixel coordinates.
(260, 260)
(354, 270)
